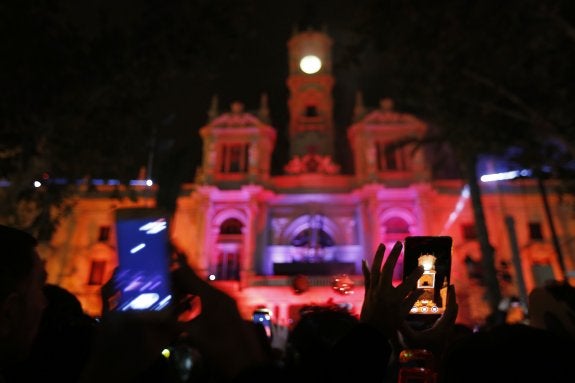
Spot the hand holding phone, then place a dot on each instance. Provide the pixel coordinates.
(264, 318)
(385, 305)
(434, 254)
(143, 276)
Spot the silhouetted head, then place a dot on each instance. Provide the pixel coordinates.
(552, 307)
(509, 353)
(63, 343)
(22, 300)
(316, 332)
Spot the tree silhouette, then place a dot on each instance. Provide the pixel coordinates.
(487, 76)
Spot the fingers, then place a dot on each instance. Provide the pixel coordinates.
(366, 274)
(376, 267)
(449, 316)
(212, 298)
(391, 261)
(410, 282)
(409, 290)
(451, 296)
(108, 293)
(279, 336)
(189, 282)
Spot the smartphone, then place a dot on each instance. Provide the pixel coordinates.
(142, 279)
(434, 254)
(263, 317)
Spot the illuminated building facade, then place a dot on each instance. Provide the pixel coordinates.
(282, 241)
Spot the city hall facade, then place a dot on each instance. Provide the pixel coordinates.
(284, 241)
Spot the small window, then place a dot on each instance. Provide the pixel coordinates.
(469, 232)
(535, 232)
(311, 111)
(228, 266)
(104, 234)
(234, 158)
(97, 270)
(390, 157)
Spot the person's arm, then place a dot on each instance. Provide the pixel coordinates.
(127, 346)
(385, 306)
(436, 338)
(229, 344)
(364, 353)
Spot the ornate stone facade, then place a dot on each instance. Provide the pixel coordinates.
(253, 233)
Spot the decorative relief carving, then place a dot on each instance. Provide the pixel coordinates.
(277, 226)
(311, 163)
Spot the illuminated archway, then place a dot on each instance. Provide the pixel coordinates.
(395, 225)
(228, 228)
(308, 221)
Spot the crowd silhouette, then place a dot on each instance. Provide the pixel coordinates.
(45, 335)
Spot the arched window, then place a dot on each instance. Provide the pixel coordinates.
(231, 226)
(312, 237)
(396, 229)
(396, 225)
(227, 261)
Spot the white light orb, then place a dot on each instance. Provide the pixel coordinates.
(310, 64)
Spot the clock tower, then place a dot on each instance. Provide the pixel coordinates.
(310, 83)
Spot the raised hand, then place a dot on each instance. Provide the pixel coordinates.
(126, 345)
(385, 306)
(280, 334)
(219, 332)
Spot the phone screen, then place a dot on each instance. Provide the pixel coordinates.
(143, 275)
(434, 254)
(264, 318)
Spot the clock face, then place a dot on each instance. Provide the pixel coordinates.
(310, 64)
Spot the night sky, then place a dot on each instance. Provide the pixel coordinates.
(237, 51)
(69, 65)
(261, 66)
(264, 68)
